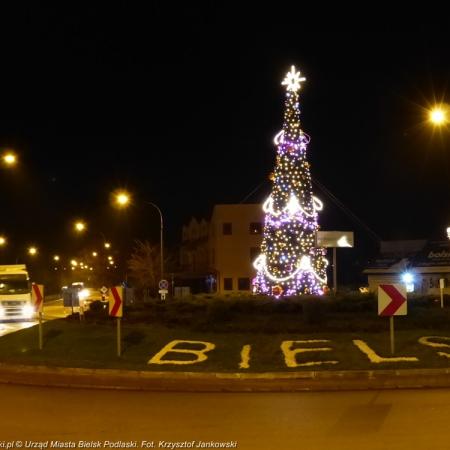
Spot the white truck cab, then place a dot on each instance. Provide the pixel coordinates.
(15, 293)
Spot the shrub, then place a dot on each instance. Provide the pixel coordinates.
(351, 312)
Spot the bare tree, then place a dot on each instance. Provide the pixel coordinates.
(143, 266)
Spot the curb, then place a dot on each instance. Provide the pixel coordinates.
(223, 382)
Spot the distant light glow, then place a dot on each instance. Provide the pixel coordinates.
(10, 159)
(407, 277)
(438, 116)
(56, 258)
(2, 240)
(80, 226)
(32, 250)
(122, 198)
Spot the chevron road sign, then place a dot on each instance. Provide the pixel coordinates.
(37, 296)
(116, 302)
(392, 300)
(116, 310)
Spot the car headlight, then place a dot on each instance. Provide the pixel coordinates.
(27, 311)
(84, 293)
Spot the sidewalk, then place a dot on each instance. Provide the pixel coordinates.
(223, 382)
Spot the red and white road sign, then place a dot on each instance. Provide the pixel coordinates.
(116, 301)
(37, 296)
(392, 300)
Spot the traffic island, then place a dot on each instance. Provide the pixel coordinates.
(156, 357)
(223, 382)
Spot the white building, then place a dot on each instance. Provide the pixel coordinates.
(426, 261)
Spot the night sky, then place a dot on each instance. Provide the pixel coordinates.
(181, 108)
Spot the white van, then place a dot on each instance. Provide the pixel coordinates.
(15, 293)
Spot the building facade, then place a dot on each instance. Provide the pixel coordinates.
(419, 264)
(219, 254)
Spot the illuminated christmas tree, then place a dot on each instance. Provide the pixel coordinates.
(290, 263)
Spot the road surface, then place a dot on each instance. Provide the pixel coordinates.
(402, 419)
(52, 310)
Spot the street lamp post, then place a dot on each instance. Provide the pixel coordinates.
(122, 199)
(161, 236)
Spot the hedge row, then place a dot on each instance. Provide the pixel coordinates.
(350, 312)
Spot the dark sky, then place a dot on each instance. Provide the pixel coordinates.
(180, 106)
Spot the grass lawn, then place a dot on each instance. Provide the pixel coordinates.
(93, 345)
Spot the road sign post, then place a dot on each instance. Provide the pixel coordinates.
(392, 302)
(441, 288)
(334, 239)
(116, 310)
(391, 332)
(37, 297)
(163, 288)
(334, 270)
(119, 339)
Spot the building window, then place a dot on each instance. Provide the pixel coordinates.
(255, 228)
(228, 284)
(254, 253)
(227, 228)
(244, 284)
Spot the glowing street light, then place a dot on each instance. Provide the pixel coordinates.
(94, 254)
(122, 199)
(80, 226)
(107, 245)
(2, 241)
(32, 251)
(56, 258)
(438, 116)
(9, 158)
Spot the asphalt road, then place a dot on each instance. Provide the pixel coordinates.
(51, 310)
(406, 419)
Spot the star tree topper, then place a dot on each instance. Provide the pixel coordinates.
(293, 80)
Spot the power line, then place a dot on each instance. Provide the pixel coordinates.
(347, 211)
(335, 200)
(252, 192)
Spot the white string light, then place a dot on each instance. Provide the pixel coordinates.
(292, 207)
(293, 80)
